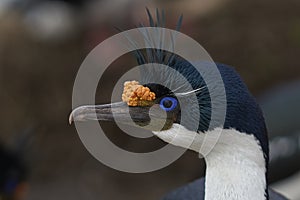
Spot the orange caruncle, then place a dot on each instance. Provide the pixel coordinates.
(136, 95)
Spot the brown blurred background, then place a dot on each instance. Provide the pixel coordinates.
(42, 45)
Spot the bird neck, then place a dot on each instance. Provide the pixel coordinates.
(235, 168)
(235, 165)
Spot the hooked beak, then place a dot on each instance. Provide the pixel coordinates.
(107, 112)
(121, 112)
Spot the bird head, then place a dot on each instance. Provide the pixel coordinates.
(177, 110)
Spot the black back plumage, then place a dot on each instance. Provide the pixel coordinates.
(195, 191)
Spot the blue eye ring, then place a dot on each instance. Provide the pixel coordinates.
(173, 101)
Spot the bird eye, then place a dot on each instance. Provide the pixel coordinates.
(168, 103)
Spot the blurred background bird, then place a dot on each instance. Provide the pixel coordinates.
(37, 71)
(13, 174)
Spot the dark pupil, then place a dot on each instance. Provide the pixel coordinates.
(167, 103)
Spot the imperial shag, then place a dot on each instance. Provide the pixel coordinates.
(238, 164)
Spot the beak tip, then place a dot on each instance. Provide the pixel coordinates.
(71, 119)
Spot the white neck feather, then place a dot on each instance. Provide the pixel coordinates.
(235, 166)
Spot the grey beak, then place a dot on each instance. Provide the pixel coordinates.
(121, 112)
(111, 112)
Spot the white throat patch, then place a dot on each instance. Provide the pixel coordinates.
(235, 166)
